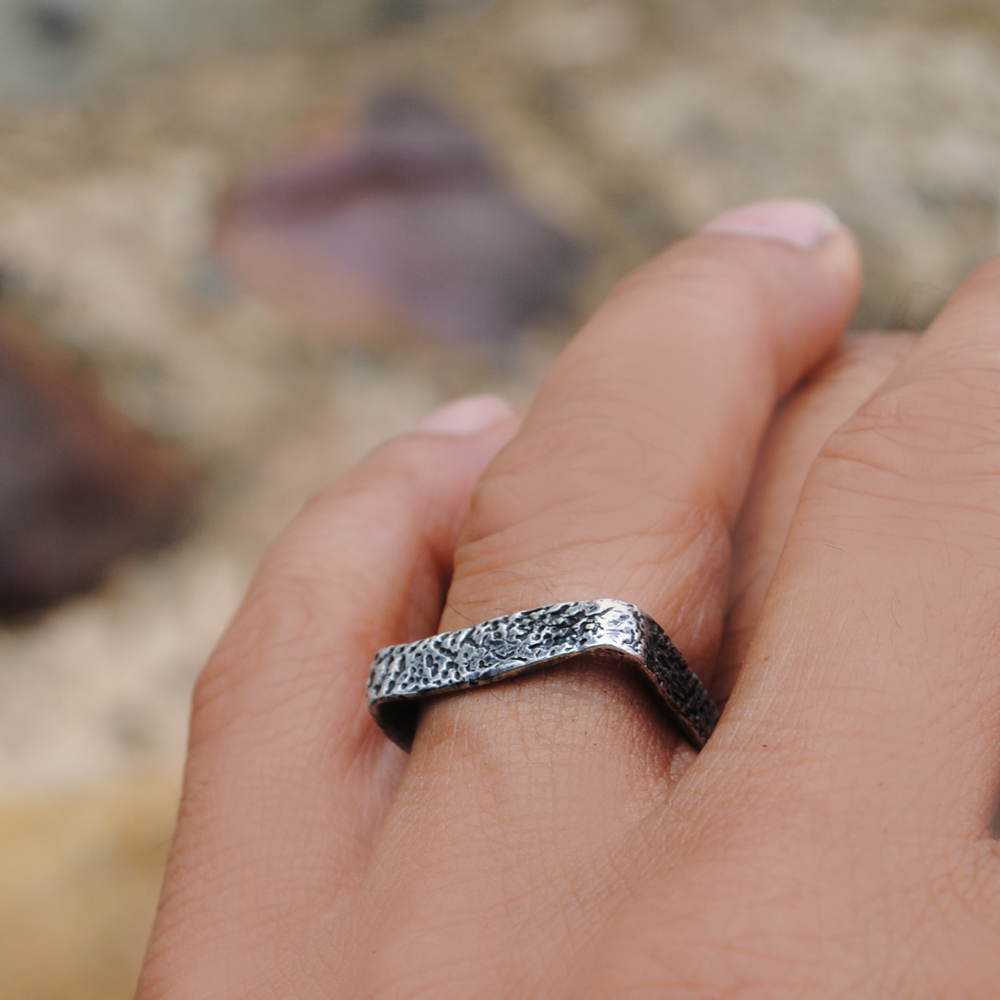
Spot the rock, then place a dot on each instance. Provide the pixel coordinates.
(79, 487)
(405, 225)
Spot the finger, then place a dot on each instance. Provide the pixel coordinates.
(623, 482)
(634, 461)
(827, 398)
(287, 777)
(874, 667)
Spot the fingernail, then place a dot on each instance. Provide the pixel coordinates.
(465, 416)
(801, 223)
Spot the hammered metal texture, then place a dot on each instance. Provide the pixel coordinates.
(508, 646)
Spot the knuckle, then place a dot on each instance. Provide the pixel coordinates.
(940, 428)
(662, 555)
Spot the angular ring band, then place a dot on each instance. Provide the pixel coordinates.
(505, 647)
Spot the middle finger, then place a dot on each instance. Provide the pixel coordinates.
(624, 483)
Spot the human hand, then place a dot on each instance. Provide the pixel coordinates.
(550, 836)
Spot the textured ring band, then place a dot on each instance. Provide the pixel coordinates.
(505, 647)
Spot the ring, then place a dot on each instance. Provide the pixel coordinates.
(505, 647)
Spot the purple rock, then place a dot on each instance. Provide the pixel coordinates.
(406, 224)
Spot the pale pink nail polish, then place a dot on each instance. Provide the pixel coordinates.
(801, 223)
(465, 416)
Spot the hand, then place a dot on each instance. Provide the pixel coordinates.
(551, 837)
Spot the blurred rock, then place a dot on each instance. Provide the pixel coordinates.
(79, 487)
(403, 226)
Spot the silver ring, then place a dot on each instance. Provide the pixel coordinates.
(505, 647)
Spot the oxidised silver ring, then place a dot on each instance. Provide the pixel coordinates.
(505, 647)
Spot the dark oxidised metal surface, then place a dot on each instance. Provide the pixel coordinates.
(528, 640)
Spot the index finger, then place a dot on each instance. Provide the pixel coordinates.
(287, 776)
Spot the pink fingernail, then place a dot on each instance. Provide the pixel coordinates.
(465, 416)
(801, 223)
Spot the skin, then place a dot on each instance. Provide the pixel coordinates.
(828, 564)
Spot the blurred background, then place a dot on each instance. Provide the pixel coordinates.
(242, 242)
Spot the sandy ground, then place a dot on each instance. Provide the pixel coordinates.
(628, 123)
